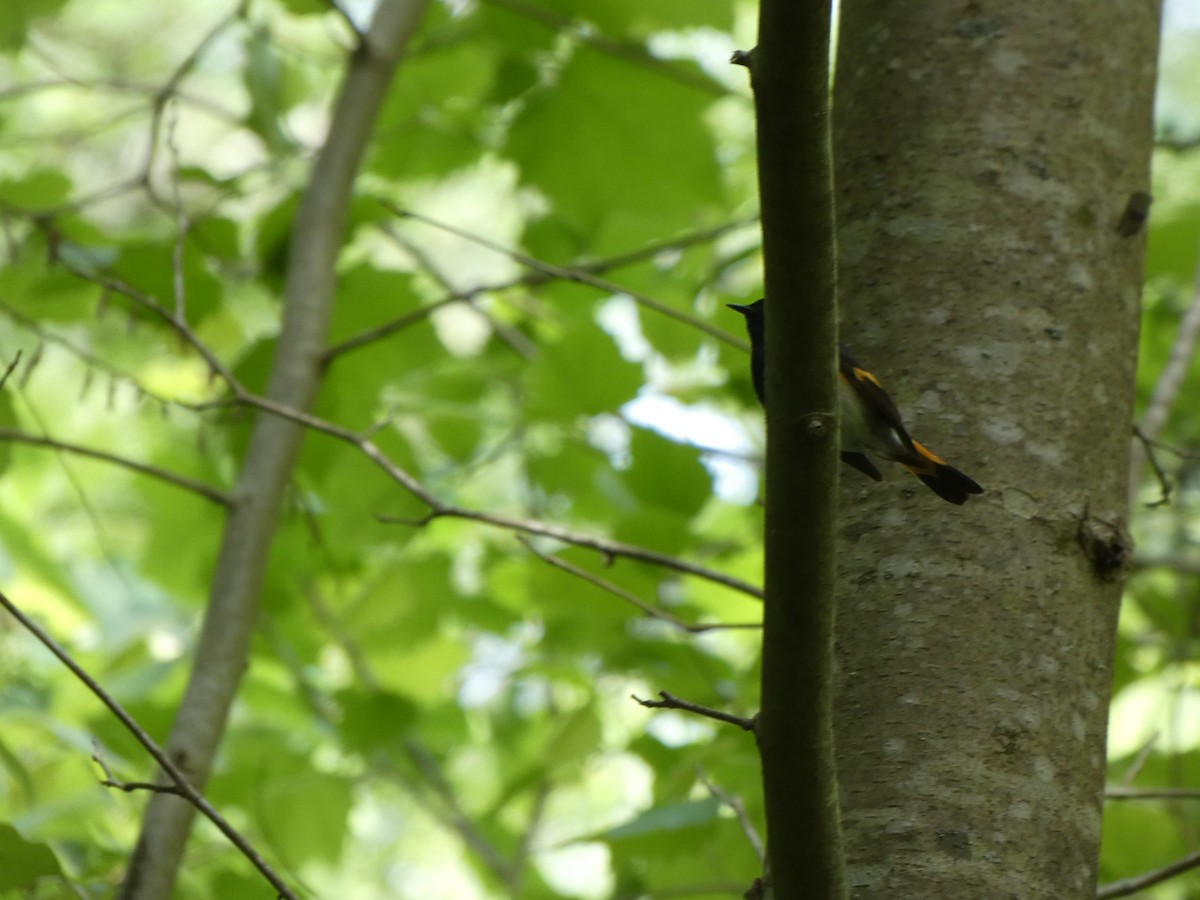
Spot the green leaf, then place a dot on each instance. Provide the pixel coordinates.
(19, 19)
(1171, 247)
(638, 19)
(581, 374)
(667, 474)
(263, 77)
(23, 863)
(609, 130)
(39, 189)
(301, 810)
(435, 118)
(23, 544)
(1137, 838)
(307, 7)
(374, 720)
(675, 817)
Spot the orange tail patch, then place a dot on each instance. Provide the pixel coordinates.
(942, 478)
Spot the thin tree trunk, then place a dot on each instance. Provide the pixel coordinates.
(790, 71)
(224, 647)
(985, 155)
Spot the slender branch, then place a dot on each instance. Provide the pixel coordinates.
(1120, 792)
(577, 270)
(440, 510)
(648, 608)
(670, 701)
(517, 342)
(1164, 483)
(447, 807)
(1169, 384)
(1127, 886)
(151, 305)
(1181, 564)
(317, 236)
(739, 810)
(110, 780)
(181, 481)
(86, 356)
(576, 275)
(458, 819)
(169, 87)
(387, 328)
(182, 786)
(10, 369)
(606, 547)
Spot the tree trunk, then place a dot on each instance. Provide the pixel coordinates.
(985, 156)
(223, 650)
(790, 73)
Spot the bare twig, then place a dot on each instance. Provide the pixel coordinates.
(572, 274)
(441, 510)
(648, 608)
(1164, 483)
(739, 810)
(604, 546)
(428, 766)
(129, 787)
(171, 85)
(181, 481)
(438, 509)
(518, 342)
(85, 356)
(1169, 383)
(182, 220)
(670, 701)
(387, 328)
(536, 277)
(173, 319)
(10, 368)
(1139, 760)
(183, 788)
(1121, 792)
(1128, 886)
(1182, 564)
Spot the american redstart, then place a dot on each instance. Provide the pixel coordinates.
(870, 420)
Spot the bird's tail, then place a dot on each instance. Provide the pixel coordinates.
(940, 477)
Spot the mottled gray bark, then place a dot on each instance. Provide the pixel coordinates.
(985, 154)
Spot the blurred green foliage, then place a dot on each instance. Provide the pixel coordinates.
(432, 711)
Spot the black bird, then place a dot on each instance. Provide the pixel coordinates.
(870, 420)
